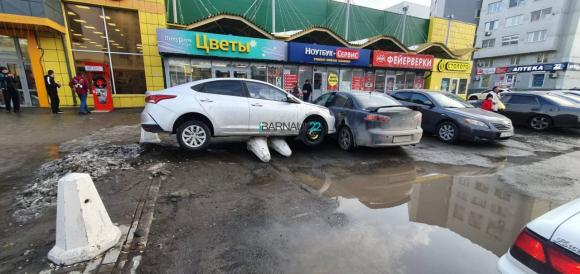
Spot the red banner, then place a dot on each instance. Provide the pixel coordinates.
(348, 54)
(290, 81)
(357, 83)
(388, 59)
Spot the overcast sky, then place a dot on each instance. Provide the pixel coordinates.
(382, 4)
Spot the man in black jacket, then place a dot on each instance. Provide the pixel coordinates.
(52, 90)
(8, 85)
(306, 91)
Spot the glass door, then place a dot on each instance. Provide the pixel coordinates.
(12, 57)
(454, 86)
(318, 81)
(240, 73)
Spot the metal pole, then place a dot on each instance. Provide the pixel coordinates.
(347, 19)
(273, 15)
(450, 17)
(405, 9)
(174, 11)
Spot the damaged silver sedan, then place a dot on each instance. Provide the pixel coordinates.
(372, 120)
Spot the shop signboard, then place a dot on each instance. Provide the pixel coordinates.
(209, 44)
(453, 66)
(539, 67)
(332, 81)
(389, 59)
(573, 66)
(290, 81)
(330, 55)
(419, 83)
(488, 71)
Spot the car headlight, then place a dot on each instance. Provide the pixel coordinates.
(475, 123)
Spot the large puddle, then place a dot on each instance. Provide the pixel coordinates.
(403, 219)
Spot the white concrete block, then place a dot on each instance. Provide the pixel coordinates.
(83, 227)
(149, 137)
(280, 146)
(259, 146)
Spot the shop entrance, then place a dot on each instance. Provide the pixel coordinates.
(12, 57)
(230, 73)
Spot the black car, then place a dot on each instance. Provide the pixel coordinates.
(371, 119)
(451, 118)
(541, 110)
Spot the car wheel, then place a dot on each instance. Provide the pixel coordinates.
(193, 135)
(540, 122)
(448, 132)
(313, 131)
(473, 98)
(345, 139)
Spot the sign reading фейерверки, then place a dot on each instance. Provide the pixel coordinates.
(209, 44)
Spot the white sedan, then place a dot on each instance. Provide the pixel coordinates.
(548, 244)
(201, 110)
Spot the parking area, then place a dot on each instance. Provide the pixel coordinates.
(429, 208)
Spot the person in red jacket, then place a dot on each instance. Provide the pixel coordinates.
(487, 104)
(81, 86)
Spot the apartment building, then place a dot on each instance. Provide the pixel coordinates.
(527, 45)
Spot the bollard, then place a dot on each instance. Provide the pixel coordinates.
(280, 146)
(83, 227)
(259, 146)
(149, 137)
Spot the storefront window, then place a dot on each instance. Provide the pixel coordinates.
(108, 37)
(332, 79)
(409, 79)
(259, 71)
(358, 80)
(380, 81)
(369, 81)
(462, 86)
(275, 75)
(345, 79)
(200, 69)
(485, 81)
(304, 73)
(290, 77)
(445, 82)
(128, 73)
(179, 71)
(399, 80)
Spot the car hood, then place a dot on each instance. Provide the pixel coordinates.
(560, 226)
(478, 114)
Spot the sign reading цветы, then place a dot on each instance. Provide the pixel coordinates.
(209, 44)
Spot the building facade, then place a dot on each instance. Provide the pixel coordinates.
(527, 45)
(113, 39)
(413, 9)
(461, 10)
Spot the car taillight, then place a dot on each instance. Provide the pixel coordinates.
(562, 262)
(378, 118)
(543, 256)
(531, 246)
(418, 117)
(154, 99)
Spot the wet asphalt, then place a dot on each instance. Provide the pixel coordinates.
(430, 208)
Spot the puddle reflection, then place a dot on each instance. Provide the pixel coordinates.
(479, 208)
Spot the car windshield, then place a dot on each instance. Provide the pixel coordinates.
(448, 100)
(560, 100)
(375, 100)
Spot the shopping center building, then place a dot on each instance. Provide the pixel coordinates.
(115, 39)
(138, 45)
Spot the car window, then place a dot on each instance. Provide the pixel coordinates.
(338, 100)
(403, 96)
(197, 87)
(558, 100)
(449, 100)
(420, 99)
(375, 100)
(322, 100)
(230, 88)
(265, 92)
(523, 100)
(505, 98)
(348, 104)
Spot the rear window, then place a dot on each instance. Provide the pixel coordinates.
(560, 101)
(403, 96)
(375, 100)
(523, 100)
(197, 87)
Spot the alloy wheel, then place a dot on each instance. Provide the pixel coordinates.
(447, 132)
(540, 123)
(345, 139)
(194, 136)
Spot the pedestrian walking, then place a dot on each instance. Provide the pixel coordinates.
(52, 90)
(306, 91)
(81, 86)
(296, 91)
(496, 98)
(9, 87)
(487, 103)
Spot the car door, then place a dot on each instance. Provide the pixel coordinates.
(427, 108)
(270, 111)
(521, 107)
(227, 106)
(338, 106)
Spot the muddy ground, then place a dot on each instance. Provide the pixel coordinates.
(397, 210)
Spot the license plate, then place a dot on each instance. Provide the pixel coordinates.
(506, 134)
(402, 139)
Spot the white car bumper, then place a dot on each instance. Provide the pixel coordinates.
(509, 265)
